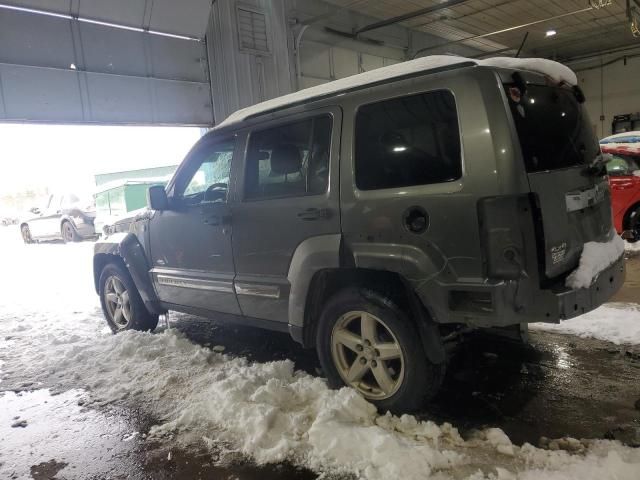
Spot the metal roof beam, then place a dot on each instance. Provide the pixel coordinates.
(504, 30)
(410, 15)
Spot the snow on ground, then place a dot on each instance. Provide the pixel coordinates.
(51, 327)
(618, 323)
(632, 247)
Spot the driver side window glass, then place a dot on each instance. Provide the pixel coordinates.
(209, 182)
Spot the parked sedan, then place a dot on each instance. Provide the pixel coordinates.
(624, 179)
(8, 218)
(61, 217)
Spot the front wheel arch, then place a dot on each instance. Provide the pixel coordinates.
(139, 317)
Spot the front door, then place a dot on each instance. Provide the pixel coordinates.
(47, 221)
(190, 243)
(289, 194)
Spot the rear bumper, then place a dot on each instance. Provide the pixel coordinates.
(572, 303)
(515, 302)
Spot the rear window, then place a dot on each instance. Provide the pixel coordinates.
(553, 127)
(407, 141)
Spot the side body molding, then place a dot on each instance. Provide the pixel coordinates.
(127, 247)
(312, 255)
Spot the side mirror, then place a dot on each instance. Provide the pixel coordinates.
(35, 210)
(157, 198)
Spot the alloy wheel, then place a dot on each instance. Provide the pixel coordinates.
(67, 232)
(26, 234)
(367, 355)
(118, 302)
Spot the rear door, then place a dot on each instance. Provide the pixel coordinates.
(572, 195)
(288, 193)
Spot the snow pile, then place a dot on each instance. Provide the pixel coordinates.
(554, 70)
(618, 323)
(595, 258)
(632, 247)
(268, 412)
(622, 138)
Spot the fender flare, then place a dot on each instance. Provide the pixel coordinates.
(324, 252)
(312, 255)
(127, 248)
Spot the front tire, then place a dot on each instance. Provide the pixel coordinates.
(26, 234)
(121, 303)
(366, 342)
(634, 225)
(68, 232)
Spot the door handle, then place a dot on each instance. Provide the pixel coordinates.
(315, 214)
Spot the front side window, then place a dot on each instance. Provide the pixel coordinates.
(207, 178)
(407, 141)
(289, 160)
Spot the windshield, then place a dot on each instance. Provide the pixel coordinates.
(553, 127)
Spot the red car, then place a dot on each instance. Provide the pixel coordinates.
(624, 179)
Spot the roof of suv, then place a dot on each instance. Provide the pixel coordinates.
(556, 71)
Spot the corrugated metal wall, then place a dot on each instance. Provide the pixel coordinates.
(243, 76)
(64, 70)
(326, 56)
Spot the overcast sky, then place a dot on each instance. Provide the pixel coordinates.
(65, 157)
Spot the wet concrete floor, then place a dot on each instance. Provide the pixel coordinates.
(556, 386)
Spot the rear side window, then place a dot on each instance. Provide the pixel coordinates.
(413, 140)
(289, 160)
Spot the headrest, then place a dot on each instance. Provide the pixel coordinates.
(285, 159)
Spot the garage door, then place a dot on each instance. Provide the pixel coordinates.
(105, 61)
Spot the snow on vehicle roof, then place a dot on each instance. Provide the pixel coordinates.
(556, 71)
(625, 137)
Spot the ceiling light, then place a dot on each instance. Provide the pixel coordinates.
(399, 148)
(550, 33)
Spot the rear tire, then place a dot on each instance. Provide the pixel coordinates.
(69, 233)
(26, 234)
(121, 303)
(365, 341)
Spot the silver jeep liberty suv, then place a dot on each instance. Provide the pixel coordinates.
(373, 216)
